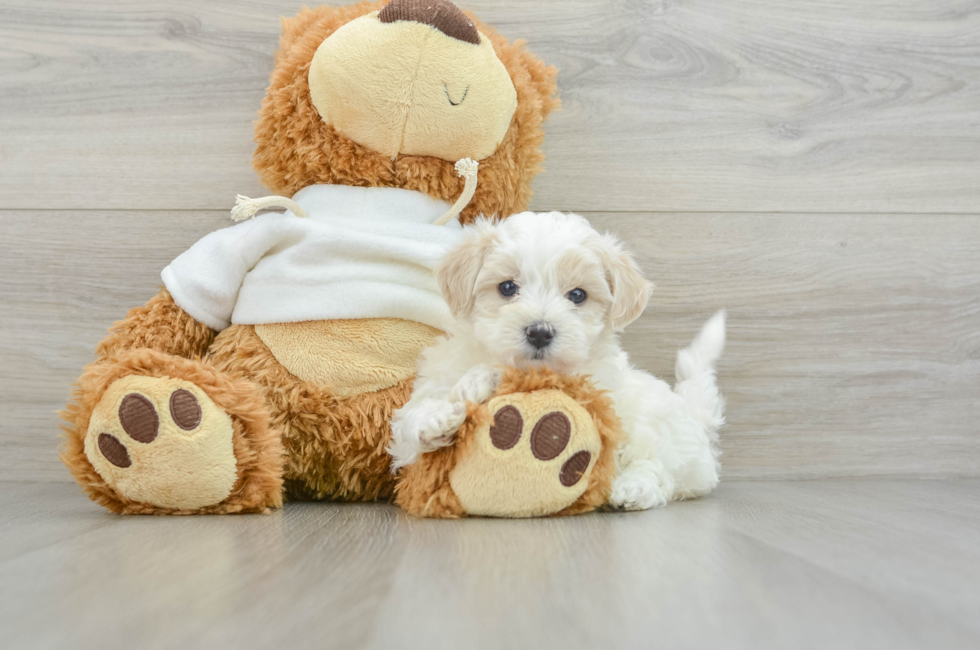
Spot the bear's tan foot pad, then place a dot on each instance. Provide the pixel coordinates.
(542, 445)
(163, 442)
(164, 445)
(533, 458)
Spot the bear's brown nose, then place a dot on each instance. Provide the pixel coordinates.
(441, 14)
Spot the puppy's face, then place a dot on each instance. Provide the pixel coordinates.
(542, 289)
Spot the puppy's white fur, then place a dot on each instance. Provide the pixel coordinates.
(670, 445)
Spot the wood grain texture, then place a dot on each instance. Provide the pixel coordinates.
(715, 137)
(700, 105)
(809, 564)
(65, 277)
(854, 340)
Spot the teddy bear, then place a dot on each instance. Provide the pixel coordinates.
(269, 365)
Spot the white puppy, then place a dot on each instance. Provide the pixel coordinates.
(546, 289)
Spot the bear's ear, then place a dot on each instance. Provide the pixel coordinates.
(458, 272)
(541, 80)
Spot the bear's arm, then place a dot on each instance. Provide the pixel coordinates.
(158, 325)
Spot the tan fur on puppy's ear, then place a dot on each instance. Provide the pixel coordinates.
(630, 290)
(458, 271)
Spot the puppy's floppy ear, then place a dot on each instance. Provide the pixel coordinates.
(630, 290)
(458, 271)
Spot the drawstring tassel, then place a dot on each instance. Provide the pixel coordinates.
(466, 168)
(246, 208)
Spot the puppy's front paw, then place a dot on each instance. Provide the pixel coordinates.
(637, 490)
(439, 423)
(423, 427)
(477, 385)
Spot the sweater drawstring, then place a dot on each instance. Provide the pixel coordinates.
(466, 168)
(246, 208)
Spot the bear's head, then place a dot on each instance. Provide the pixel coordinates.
(393, 94)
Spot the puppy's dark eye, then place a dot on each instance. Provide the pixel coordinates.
(507, 288)
(577, 296)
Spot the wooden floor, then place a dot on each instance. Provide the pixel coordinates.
(861, 564)
(812, 166)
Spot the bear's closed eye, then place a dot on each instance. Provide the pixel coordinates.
(465, 92)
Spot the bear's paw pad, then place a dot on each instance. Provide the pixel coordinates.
(162, 442)
(533, 459)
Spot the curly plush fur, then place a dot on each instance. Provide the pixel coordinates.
(257, 447)
(158, 325)
(335, 446)
(295, 148)
(424, 488)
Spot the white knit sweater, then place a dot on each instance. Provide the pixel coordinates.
(362, 253)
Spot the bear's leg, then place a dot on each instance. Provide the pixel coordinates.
(542, 445)
(151, 433)
(334, 445)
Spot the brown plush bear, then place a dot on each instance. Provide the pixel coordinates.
(270, 365)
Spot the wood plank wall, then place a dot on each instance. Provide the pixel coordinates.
(813, 167)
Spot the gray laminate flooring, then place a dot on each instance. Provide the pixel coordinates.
(804, 564)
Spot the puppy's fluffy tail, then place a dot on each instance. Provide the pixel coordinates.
(695, 372)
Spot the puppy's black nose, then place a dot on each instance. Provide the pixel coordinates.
(539, 334)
